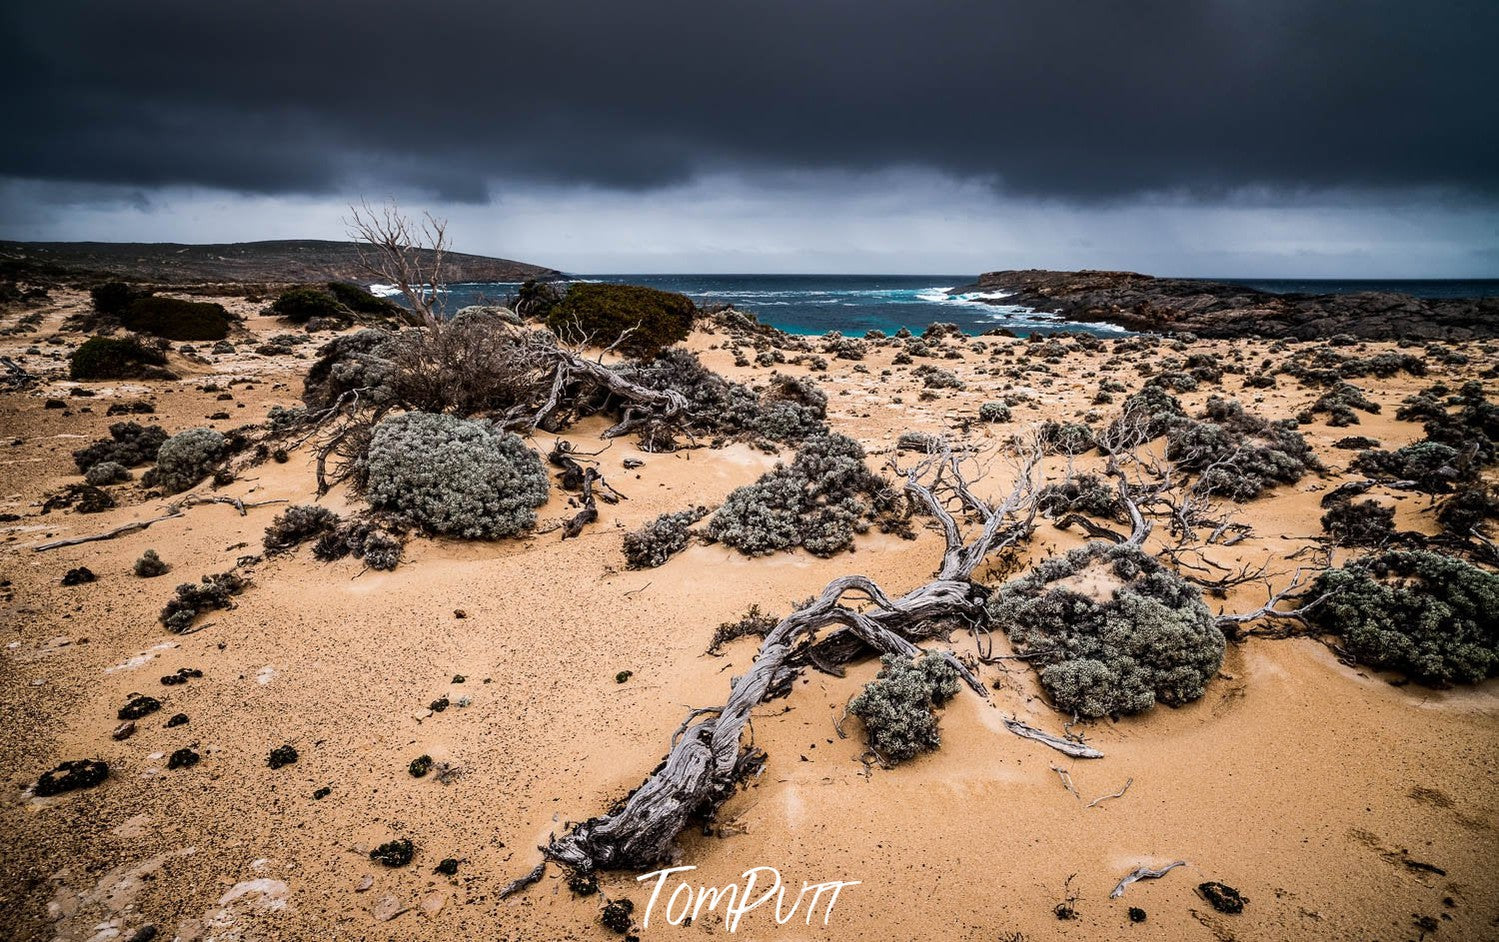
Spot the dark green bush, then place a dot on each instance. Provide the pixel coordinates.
(1468, 511)
(129, 444)
(296, 525)
(1111, 630)
(176, 319)
(117, 358)
(601, 313)
(113, 297)
(1239, 454)
(1433, 466)
(1367, 523)
(360, 301)
(302, 304)
(193, 599)
(1086, 493)
(1427, 615)
(898, 707)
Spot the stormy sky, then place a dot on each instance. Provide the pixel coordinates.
(1228, 137)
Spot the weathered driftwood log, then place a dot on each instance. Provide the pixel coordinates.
(1143, 873)
(1069, 747)
(705, 760)
(174, 510)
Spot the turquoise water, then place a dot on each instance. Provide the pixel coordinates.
(853, 304)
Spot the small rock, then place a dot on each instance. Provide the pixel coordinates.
(79, 576)
(433, 902)
(387, 909)
(183, 758)
(124, 731)
(365, 882)
(282, 755)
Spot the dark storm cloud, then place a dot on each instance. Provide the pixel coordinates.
(1077, 100)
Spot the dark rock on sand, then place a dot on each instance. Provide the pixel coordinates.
(71, 776)
(1223, 897)
(1208, 309)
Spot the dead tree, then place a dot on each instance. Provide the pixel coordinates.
(400, 251)
(706, 759)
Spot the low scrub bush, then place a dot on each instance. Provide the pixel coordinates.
(129, 444)
(1427, 615)
(113, 298)
(1431, 465)
(1468, 511)
(1111, 631)
(185, 459)
(1341, 404)
(176, 319)
(195, 598)
(661, 539)
(105, 473)
(1086, 494)
(1238, 454)
(819, 501)
(454, 476)
(117, 358)
(300, 305)
(899, 706)
(1366, 523)
(296, 525)
(602, 313)
(150, 565)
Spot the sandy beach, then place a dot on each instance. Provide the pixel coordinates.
(1340, 801)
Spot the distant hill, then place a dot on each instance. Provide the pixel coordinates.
(285, 261)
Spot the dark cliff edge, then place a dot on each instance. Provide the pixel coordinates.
(1146, 303)
(277, 262)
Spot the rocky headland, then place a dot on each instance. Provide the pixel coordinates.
(1208, 309)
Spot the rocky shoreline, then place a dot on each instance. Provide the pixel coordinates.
(1147, 303)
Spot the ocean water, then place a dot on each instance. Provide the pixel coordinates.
(853, 304)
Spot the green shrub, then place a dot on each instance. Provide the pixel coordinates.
(112, 298)
(1156, 409)
(359, 361)
(1111, 630)
(193, 599)
(176, 319)
(296, 525)
(1427, 615)
(1239, 454)
(1367, 523)
(129, 444)
(994, 412)
(898, 706)
(819, 501)
(1468, 511)
(661, 539)
(603, 312)
(106, 472)
(454, 476)
(302, 304)
(1086, 493)
(150, 565)
(117, 358)
(360, 301)
(1431, 465)
(185, 459)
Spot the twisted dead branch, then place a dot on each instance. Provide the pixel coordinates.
(706, 760)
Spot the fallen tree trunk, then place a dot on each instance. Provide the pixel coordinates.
(706, 762)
